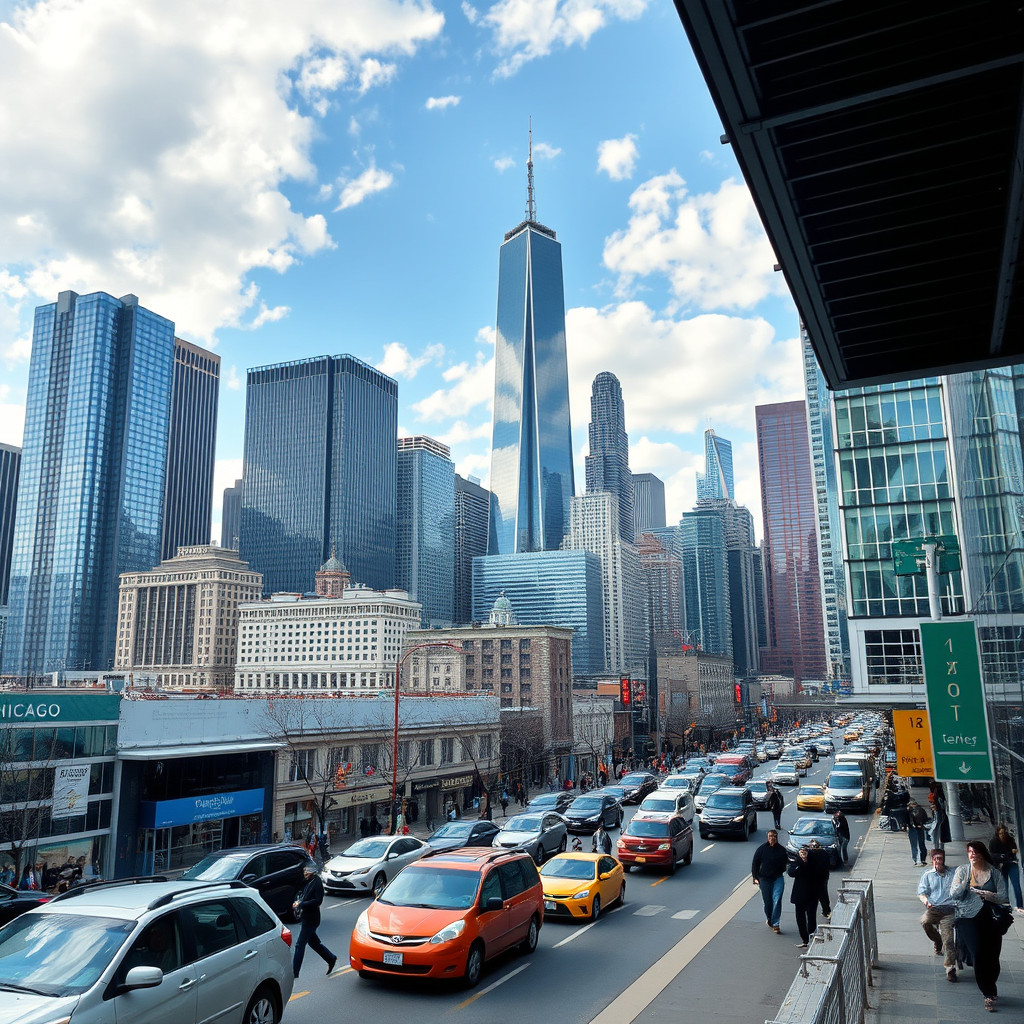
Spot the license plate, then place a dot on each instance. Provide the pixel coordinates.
(393, 958)
(641, 860)
(549, 904)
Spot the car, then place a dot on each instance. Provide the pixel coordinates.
(759, 791)
(14, 902)
(618, 792)
(707, 787)
(810, 798)
(557, 802)
(578, 885)
(785, 773)
(540, 835)
(637, 785)
(729, 811)
(274, 871)
(464, 832)
(772, 749)
(665, 803)
(846, 789)
(682, 783)
(588, 813)
(826, 747)
(447, 914)
(651, 844)
(370, 863)
(799, 756)
(804, 830)
(737, 769)
(147, 951)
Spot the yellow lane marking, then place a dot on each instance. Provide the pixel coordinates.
(298, 995)
(659, 881)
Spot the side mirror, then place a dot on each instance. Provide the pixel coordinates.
(248, 879)
(494, 903)
(142, 977)
(604, 876)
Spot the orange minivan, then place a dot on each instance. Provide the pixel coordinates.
(448, 913)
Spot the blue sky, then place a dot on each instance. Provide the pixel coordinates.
(290, 180)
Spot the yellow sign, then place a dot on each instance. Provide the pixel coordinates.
(913, 744)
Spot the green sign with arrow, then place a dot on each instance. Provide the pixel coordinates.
(956, 702)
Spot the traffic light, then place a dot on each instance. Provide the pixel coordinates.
(341, 774)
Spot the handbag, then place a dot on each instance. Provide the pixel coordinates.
(1002, 917)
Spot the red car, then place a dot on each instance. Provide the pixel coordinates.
(656, 844)
(737, 768)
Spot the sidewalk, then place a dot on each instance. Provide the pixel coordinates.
(910, 984)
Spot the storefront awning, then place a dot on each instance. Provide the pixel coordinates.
(199, 749)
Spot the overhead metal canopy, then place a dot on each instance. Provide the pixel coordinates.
(883, 143)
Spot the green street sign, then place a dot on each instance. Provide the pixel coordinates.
(956, 702)
(908, 555)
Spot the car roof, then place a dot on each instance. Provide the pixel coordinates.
(249, 851)
(729, 790)
(133, 899)
(577, 855)
(469, 858)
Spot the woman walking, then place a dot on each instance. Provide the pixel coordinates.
(977, 887)
(804, 897)
(1003, 848)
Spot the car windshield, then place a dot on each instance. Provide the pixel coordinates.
(725, 801)
(369, 849)
(585, 803)
(215, 869)
(678, 782)
(758, 786)
(812, 827)
(59, 954)
(548, 800)
(837, 781)
(522, 823)
(646, 829)
(811, 791)
(634, 780)
(432, 888)
(711, 783)
(615, 791)
(559, 868)
(455, 830)
(657, 804)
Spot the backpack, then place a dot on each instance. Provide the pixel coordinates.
(918, 815)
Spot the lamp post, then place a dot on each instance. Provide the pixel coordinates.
(394, 749)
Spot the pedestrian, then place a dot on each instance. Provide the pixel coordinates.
(768, 869)
(842, 827)
(804, 895)
(775, 803)
(940, 819)
(976, 889)
(917, 818)
(1003, 848)
(819, 858)
(602, 841)
(937, 919)
(307, 908)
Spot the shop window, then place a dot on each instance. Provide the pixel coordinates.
(426, 752)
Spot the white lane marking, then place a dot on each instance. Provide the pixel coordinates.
(343, 903)
(708, 847)
(491, 987)
(685, 915)
(648, 910)
(575, 935)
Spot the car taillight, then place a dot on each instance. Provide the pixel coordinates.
(286, 934)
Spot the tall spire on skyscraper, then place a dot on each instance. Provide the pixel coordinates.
(531, 205)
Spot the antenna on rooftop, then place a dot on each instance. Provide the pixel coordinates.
(531, 205)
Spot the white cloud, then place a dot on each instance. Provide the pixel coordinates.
(710, 247)
(460, 432)
(232, 381)
(617, 157)
(398, 361)
(545, 151)
(524, 30)
(472, 386)
(353, 191)
(504, 163)
(373, 72)
(470, 12)
(268, 316)
(442, 102)
(163, 172)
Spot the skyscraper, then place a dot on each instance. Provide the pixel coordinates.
(91, 490)
(796, 636)
(648, 503)
(607, 465)
(231, 516)
(663, 577)
(191, 441)
(425, 555)
(531, 450)
(10, 465)
(700, 545)
(472, 513)
(319, 471)
(716, 481)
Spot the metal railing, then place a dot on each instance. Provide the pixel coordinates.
(832, 984)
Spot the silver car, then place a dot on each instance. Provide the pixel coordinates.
(541, 835)
(147, 952)
(369, 864)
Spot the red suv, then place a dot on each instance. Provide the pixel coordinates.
(650, 843)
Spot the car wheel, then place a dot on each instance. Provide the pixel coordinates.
(564, 843)
(595, 909)
(703, 834)
(530, 942)
(261, 1009)
(379, 882)
(474, 965)
(622, 895)
(672, 863)
(753, 825)
(539, 856)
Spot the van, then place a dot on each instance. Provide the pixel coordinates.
(846, 789)
(864, 763)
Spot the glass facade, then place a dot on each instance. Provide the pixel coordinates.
(699, 542)
(531, 452)
(717, 479)
(425, 556)
(320, 471)
(548, 588)
(231, 516)
(90, 495)
(648, 503)
(607, 465)
(10, 465)
(472, 511)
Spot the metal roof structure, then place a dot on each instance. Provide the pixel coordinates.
(883, 143)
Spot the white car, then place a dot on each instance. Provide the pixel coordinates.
(786, 773)
(663, 804)
(369, 864)
(144, 952)
(681, 783)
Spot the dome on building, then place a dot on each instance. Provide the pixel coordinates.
(333, 564)
(501, 613)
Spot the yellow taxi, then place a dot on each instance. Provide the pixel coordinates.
(578, 885)
(810, 798)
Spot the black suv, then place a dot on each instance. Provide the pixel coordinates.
(729, 811)
(275, 871)
(592, 810)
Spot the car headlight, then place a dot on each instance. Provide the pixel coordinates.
(363, 925)
(665, 846)
(452, 931)
(361, 871)
(582, 895)
(621, 845)
(739, 818)
(593, 817)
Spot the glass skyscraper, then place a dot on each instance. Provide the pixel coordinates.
(320, 472)
(531, 450)
(231, 516)
(91, 490)
(10, 465)
(192, 439)
(607, 465)
(717, 480)
(648, 503)
(425, 555)
(472, 514)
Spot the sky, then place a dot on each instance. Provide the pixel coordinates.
(320, 177)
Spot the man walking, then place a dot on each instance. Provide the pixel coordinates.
(937, 919)
(842, 827)
(917, 817)
(308, 908)
(775, 803)
(768, 869)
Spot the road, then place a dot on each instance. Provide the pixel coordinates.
(700, 922)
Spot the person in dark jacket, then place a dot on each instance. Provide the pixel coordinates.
(843, 831)
(819, 858)
(308, 907)
(602, 841)
(804, 896)
(775, 803)
(768, 869)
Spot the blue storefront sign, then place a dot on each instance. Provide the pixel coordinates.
(190, 810)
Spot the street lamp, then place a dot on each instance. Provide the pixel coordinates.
(394, 751)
